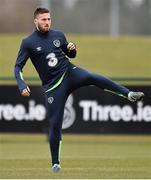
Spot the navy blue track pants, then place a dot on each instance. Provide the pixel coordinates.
(74, 78)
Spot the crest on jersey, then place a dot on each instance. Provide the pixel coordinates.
(56, 43)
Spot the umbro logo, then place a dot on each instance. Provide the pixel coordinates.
(39, 48)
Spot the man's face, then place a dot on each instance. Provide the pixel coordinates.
(43, 22)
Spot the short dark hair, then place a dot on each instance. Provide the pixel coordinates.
(40, 11)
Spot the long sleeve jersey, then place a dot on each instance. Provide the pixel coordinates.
(48, 53)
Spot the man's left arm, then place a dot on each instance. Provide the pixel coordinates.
(68, 48)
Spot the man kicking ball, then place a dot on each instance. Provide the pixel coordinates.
(49, 51)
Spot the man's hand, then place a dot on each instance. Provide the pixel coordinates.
(71, 46)
(26, 92)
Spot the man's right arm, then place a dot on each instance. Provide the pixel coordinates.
(20, 62)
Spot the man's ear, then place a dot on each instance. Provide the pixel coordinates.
(35, 21)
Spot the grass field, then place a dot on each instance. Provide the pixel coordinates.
(83, 156)
(124, 56)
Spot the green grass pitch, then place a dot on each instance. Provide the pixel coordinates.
(83, 156)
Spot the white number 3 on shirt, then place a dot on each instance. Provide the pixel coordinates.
(52, 59)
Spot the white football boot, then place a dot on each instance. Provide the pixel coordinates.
(56, 168)
(135, 96)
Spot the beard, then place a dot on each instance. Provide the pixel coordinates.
(44, 29)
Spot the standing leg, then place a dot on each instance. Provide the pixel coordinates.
(55, 106)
